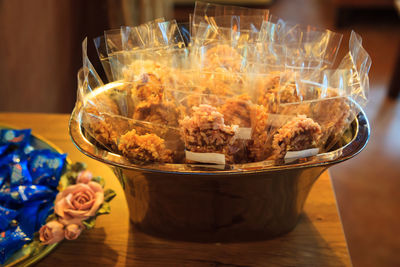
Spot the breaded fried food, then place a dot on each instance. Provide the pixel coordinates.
(273, 95)
(297, 134)
(163, 113)
(205, 131)
(97, 121)
(222, 56)
(259, 147)
(144, 148)
(237, 111)
(149, 88)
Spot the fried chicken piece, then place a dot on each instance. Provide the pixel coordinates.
(144, 148)
(151, 79)
(237, 111)
(100, 127)
(272, 94)
(266, 89)
(259, 147)
(298, 134)
(222, 56)
(102, 103)
(97, 121)
(149, 88)
(139, 67)
(163, 113)
(206, 132)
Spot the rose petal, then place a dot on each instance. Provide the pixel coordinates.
(96, 187)
(71, 220)
(84, 177)
(72, 231)
(51, 233)
(68, 200)
(61, 196)
(79, 201)
(59, 207)
(98, 201)
(87, 205)
(76, 213)
(81, 198)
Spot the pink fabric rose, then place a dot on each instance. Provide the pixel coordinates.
(72, 231)
(78, 202)
(52, 232)
(84, 177)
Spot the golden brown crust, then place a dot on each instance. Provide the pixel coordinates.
(165, 113)
(237, 111)
(222, 56)
(298, 134)
(144, 148)
(149, 88)
(97, 121)
(259, 147)
(205, 131)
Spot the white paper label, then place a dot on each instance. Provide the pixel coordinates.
(243, 133)
(210, 166)
(215, 158)
(301, 153)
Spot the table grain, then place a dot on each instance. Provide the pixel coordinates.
(317, 240)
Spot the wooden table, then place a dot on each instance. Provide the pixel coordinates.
(318, 239)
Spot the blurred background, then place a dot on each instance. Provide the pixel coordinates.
(40, 52)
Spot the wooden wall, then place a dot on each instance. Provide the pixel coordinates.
(40, 51)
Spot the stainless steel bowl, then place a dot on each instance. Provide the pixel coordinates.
(245, 202)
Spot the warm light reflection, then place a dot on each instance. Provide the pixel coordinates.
(102, 89)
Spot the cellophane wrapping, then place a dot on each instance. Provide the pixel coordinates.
(245, 87)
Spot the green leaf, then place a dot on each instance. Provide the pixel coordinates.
(51, 217)
(64, 182)
(78, 166)
(90, 223)
(109, 194)
(99, 180)
(104, 209)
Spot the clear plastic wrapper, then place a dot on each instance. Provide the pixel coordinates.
(131, 118)
(359, 62)
(234, 29)
(157, 34)
(101, 48)
(150, 41)
(247, 89)
(139, 37)
(115, 52)
(306, 46)
(215, 128)
(207, 138)
(327, 97)
(207, 12)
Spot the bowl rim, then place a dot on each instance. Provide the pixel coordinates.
(351, 149)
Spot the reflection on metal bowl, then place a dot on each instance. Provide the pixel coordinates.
(245, 202)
